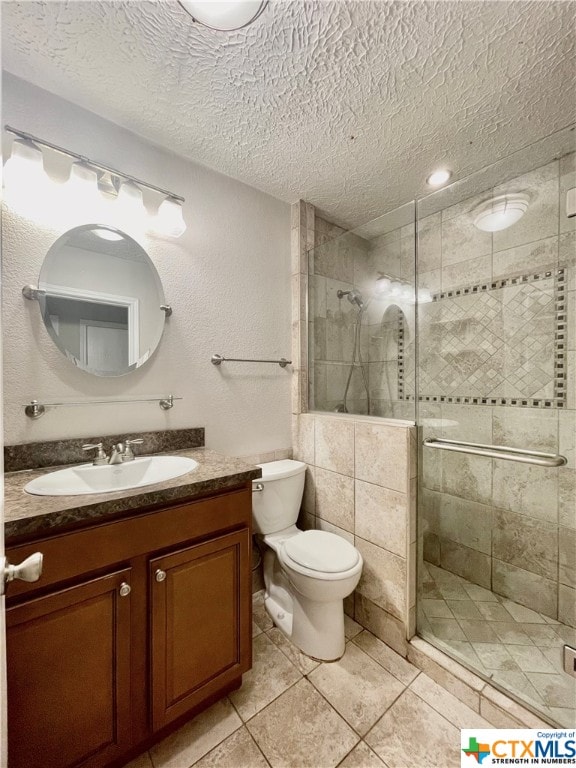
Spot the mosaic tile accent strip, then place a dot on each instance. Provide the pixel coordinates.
(500, 342)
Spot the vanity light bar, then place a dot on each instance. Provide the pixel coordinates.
(120, 175)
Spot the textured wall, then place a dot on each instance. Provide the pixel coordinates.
(227, 279)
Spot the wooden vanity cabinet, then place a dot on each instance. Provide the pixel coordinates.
(134, 625)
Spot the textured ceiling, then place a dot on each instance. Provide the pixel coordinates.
(346, 104)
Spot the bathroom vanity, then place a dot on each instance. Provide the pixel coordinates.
(142, 616)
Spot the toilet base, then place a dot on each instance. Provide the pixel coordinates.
(318, 628)
(279, 615)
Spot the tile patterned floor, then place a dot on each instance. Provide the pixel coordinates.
(371, 709)
(515, 646)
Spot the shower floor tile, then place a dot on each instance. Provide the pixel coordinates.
(512, 645)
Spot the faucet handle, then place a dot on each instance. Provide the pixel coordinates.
(128, 452)
(100, 457)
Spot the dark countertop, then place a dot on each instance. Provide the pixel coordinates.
(28, 516)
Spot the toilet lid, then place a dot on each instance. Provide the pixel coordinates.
(321, 551)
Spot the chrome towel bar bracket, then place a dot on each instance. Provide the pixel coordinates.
(498, 452)
(219, 359)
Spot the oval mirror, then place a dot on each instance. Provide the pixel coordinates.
(101, 297)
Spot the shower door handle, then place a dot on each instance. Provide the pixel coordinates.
(498, 452)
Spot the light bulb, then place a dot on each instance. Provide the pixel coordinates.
(407, 292)
(129, 205)
(169, 220)
(24, 179)
(424, 296)
(382, 286)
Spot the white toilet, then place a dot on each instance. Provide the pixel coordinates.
(307, 574)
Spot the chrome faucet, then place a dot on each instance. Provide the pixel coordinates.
(122, 452)
(117, 455)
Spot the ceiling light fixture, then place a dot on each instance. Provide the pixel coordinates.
(224, 15)
(438, 178)
(29, 189)
(501, 212)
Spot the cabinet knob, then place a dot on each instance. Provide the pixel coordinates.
(160, 575)
(125, 589)
(28, 570)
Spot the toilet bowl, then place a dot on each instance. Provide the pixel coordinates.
(307, 574)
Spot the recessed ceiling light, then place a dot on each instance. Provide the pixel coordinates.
(438, 178)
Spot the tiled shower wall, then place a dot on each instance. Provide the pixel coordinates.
(360, 479)
(343, 262)
(506, 526)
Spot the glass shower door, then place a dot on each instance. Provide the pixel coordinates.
(496, 362)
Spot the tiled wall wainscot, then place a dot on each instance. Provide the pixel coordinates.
(361, 484)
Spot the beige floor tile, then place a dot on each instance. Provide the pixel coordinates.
(518, 682)
(556, 690)
(436, 609)
(543, 635)
(362, 757)
(493, 611)
(237, 751)
(495, 656)
(386, 657)
(196, 738)
(465, 609)
(351, 627)
(510, 633)
(302, 662)
(412, 733)
(255, 629)
(479, 594)
(142, 761)
(565, 717)
(357, 687)
(522, 614)
(259, 615)
(301, 729)
(478, 631)
(446, 703)
(530, 658)
(271, 674)
(447, 629)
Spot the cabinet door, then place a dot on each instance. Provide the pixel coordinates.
(200, 623)
(69, 675)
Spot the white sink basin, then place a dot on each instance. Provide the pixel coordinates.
(86, 478)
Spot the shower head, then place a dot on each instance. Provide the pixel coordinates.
(354, 297)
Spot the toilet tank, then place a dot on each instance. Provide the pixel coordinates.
(277, 505)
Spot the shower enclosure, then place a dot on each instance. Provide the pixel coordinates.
(361, 314)
(458, 312)
(496, 362)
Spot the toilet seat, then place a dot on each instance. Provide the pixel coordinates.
(320, 554)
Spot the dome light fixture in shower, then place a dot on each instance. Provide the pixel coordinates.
(501, 212)
(224, 15)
